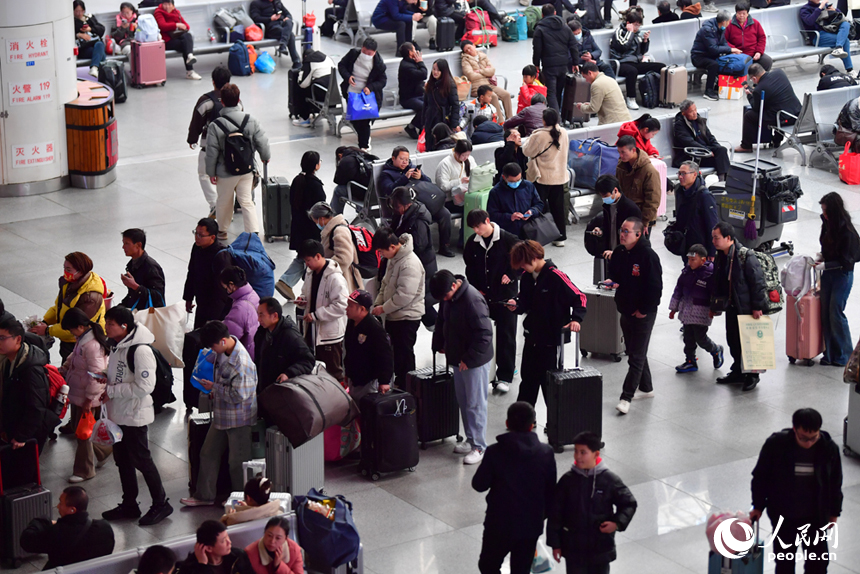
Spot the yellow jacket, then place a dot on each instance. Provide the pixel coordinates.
(89, 297)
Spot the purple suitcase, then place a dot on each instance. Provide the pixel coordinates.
(148, 64)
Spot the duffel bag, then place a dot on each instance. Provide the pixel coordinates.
(326, 530)
(429, 195)
(586, 168)
(304, 406)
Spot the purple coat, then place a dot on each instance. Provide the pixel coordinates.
(242, 319)
(692, 296)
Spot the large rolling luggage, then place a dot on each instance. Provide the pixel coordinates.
(148, 64)
(22, 498)
(601, 330)
(576, 90)
(436, 401)
(198, 427)
(574, 401)
(294, 470)
(473, 200)
(277, 216)
(673, 86)
(803, 335)
(851, 426)
(389, 428)
(445, 34)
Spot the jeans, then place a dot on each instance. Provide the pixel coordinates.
(497, 545)
(417, 106)
(403, 30)
(553, 196)
(183, 44)
(629, 71)
(470, 386)
(283, 32)
(294, 272)
(237, 441)
(536, 361)
(336, 204)
(132, 454)
(506, 342)
(403, 335)
(713, 68)
(838, 40)
(697, 336)
(236, 187)
(96, 54)
(637, 336)
(554, 80)
(209, 192)
(835, 288)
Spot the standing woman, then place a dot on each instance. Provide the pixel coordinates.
(441, 104)
(89, 356)
(336, 238)
(305, 191)
(241, 320)
(547, 151)
(840, 249)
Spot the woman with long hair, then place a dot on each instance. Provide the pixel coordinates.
(840, 249)
(441, 104)
(547, 151)
(643, 129)
(241, 321)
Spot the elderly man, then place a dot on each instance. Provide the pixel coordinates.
(695, 209)
(779, 95)
(709, 45)
(606, 101)
(531, 118)
(691, 130)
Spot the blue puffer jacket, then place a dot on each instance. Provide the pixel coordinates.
(710, 41)
(388, 10)
(488, 132)
(692, 296)
(504, 201)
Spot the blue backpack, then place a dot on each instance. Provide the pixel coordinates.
(736, 65)
(249, 254)
(238, 61)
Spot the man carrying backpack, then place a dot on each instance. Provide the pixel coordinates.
(231, 143)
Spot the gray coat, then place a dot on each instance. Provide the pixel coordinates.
(215, 140)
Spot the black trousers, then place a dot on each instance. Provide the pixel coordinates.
(66, 349)
(132, 454)
(403, 30)
(607, 10)
(184, 45)
(750, 128)
(733, 338)
(536, 361)
(442, 218)
(788, 533)
(403, 335)
(283, 32)
(496, 546)
(362, 130)
(713, 68)
(506, 342)
(637, 336)
(629, 71)
(574, 568)
(720, 162)
(697, 336)
(553, 195)
(554, 79)
(417, 106)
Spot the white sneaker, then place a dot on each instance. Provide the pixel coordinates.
(839, 53)
(474, 457)
(631, 104)
(74, 479)
(623, 407)
(558, 243)
(710, 7)
(302, 123)
(192, 75)
(502, 387)
(462, 448)
(94, 71)
(191, 59)
(643, 395)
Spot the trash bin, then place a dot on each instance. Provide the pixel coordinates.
(91, 136)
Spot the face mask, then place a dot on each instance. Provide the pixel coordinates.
(608, 200)
(578, 37)
(69, 277)
(514, 184)
(319, 226)
(365, 57)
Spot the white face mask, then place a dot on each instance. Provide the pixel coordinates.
(365, 57)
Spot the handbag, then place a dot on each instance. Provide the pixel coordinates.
(85, 426)
(106, 432)
(541, 228)
(481, 177)
(361, 106)
(422, 142)
(851, 374)
(587, 171)
(464, 87)
(736, 65)
(428, 194)
(167, 325)
(849, 166)
(675, 240)
(830, 21)
(328, 533)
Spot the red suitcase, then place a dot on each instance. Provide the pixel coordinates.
(803, 338)
(148, 64)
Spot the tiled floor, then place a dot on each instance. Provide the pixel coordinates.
(685, 453)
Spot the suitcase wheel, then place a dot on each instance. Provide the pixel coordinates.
(411, 469)
(584, 352)
(423, 445)
(374, 477)
(616, 357)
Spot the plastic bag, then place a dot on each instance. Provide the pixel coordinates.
(265, 64)
(543, 560)
(253, 33)
(309, 20)
(85, 425)
(422, 142)
(849, 166)
(106, 432)
(204, 370)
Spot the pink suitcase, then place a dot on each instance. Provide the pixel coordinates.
(660, 166)
(148, 64)
(803, 338)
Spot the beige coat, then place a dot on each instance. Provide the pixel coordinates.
(401, 293)
(547, 164)
(607, 101)
(343, 251)
(478, 69)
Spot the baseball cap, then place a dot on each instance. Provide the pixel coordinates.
(362, 297)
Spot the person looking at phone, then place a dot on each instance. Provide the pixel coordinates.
(214, 552)
(811, 16)
(143, 276)
(513, 201)
(88, 37)
(617, 208)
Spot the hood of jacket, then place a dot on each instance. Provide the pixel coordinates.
(28, 357)
(489, 127)
(405, 247)
(140, 336)
(519, 443)
(599, 468)
(243, 293)
(695, 9)
(412, 214)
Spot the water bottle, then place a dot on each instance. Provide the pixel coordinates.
(61, 399)
(211, 35)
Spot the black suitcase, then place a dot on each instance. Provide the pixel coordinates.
(277, 216)
(190, 349)
(740, 176)
(574, 401)
(112, 74)
(438, 411)
(576, 90)
(22, 498)
(198, 427)
(389, 433)
(445, 29)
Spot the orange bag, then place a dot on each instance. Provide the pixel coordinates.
(253, 33)
(85, 426)
(252, 57)
(849, 166)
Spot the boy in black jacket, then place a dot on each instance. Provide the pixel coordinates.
(591, 504)
(551, 304)
(369, 358)
(519, 471)
(280, 351)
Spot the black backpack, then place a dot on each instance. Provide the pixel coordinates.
(112, 74)
(238, 148)
(162, 394)
(649, 89)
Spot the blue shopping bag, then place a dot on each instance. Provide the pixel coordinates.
(590, 158)
(736, 65)
(361, 106)
(522, 26)
(204, 369)
(264, 64)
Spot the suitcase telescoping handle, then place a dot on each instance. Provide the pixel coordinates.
(27, 443)
(577, 354)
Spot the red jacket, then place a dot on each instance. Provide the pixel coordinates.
(749, 39)
(630, 129)
(167, 22)
(526, 93)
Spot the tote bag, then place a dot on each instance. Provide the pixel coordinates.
(541, 228)
(361, 106)
(849, 166)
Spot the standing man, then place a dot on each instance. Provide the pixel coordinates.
(695, 210)
(779, 95)
(143, 275)
(208, 258)
(519, 471)
(606, 99)
(278, 23)
(553, 48)
(488, 268)
(617, 208)
(465, 335)
(639, 179)
(636, 273)
(280, 351)
(207, 109)
(798, 479)
(369, 360)
(739, 289)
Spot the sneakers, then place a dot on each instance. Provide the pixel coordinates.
(623, 407)
(713, 96)
(432, 45)
(839, 53)
(102, 462)
(302, 123)
(710, 7)
(212, 213)
(688, 366)
(94, 71)
(122, 512)
(445, 251)
(190, 60)
(74, 479)
(156, 514)
(718, 357)
(750, 382)
(192, 75)
(474, 457)
(732, 378)
(643, 395)
(191, 501)
(411, 131)
(558, 243)
(462, 448)
(631, 104)
(285, 290)
(502, 387)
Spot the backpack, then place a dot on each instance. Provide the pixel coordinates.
(533, 16)
(217, 106)
(238, 148)
(771, 279)
(237, 60)
(162, 394)
(368, 258)
(112, 74)
(249, 254)
(736, 65)
(147, 29)
(648, 87)
(593, 18)
(55, 382)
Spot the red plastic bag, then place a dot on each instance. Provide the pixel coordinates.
(310, 20)
(85, 426)
(422, 142)
(253, 33)
(849, 166)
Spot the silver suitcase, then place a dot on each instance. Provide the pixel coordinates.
(601, 330)
(294, 470)
(851, 434)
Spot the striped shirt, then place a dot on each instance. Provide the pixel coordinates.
(234, 394)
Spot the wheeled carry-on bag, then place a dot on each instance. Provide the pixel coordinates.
(576, 90)
(574, 400)
(673, 86)
(22, 498)
(389, 429)
(601, 330)
(294, 470)
(436, 401)
(445, 34)
(752, 563)
(851, 425)
(803, 336)
(148, 64)
(277, 215)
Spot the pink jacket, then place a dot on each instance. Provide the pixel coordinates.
(242, 319)
(257, 554)
(88, 355)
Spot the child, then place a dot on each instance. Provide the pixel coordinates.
(531, 86)
(692, 300)
(590, 504)
(482, 106)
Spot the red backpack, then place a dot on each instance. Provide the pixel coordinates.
(55, 381)
(368, 258)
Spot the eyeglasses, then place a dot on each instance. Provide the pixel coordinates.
(680, 173)
(807, 439)
(3, 338)
(195, 233)
(626, 231)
